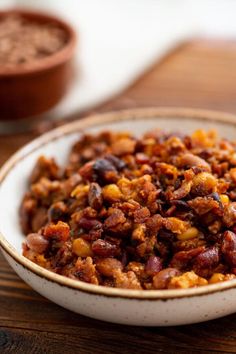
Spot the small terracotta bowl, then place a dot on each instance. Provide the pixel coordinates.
(34, 88)
(133, 307)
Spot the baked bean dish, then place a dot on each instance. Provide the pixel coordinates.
(156, 212)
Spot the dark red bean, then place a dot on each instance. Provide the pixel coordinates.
(95, 233)
(189, 160)
(37, 243)
(117, 217)
(118, 163)
(104, 171)
(229, 217)
(57, 211)
(95, 196)
(161, 279)
(89, 224)
(228, 247)
(103, 248)
(153, 265)
(141, 158)
(166, 235)
(182, 258)
(86, 171)
(209, 258)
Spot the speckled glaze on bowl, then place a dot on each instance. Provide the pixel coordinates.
(133, 307)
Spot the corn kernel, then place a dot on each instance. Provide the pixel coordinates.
(192, 232)
(176, 225)
(125, 185)
(80, 191)
(233, 159)
(204, 183)
(224, 199)
(112, 193)
(229, 277)
(139, 233)
(41, 260)
(81, 248)
(216, 278)
(187, 280)
(202, 281)
(203, 138)
(149, 143)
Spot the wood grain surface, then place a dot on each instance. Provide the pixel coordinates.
(199, 74)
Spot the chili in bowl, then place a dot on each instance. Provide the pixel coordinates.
(127, 227)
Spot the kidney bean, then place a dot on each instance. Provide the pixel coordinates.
(37, 242)
(166, 235)
(117, 217)
(86, 171)
(229, 247)
(153, 265)
(104, 171)
(118, 163)
(182, 258)
(103, 248)
(161, 279)
(57, 211)
(208, 258)
(191, 160)
(95, 196)
(229, 216)
(89, 224)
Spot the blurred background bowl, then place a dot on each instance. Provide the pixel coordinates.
(34, 88)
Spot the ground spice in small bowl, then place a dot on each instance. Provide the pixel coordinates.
(36, 64)
(24, 41)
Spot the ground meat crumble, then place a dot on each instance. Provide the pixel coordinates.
(156, 212)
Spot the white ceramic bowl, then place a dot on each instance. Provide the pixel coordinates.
(134, 307)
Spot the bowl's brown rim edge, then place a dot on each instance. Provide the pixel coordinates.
(78, 126)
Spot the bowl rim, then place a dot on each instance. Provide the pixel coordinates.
(79, 126)
(51, 61)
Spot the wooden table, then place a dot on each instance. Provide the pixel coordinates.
(199, 74)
